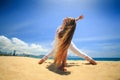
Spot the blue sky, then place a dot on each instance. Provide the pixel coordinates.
(34, 22)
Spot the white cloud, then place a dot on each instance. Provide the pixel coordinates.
(81, 4)
(109, 46)
(20, 46)
(17, 41)
(105, 49)
(100, 46)
(103, 38)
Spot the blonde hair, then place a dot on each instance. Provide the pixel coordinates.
(64, 42)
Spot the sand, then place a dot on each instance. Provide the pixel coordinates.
(24, 68)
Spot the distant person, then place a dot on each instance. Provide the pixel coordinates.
(63, 42)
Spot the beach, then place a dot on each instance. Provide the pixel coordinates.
(25, 68)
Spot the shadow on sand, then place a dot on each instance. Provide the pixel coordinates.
(54, 69)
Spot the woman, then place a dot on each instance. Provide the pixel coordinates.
(63, 42)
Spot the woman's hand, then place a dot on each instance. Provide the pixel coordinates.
(80, 17)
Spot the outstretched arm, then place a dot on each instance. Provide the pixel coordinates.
(78, 18)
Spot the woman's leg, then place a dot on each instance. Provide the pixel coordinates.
(75, 50)
(46, 56)
(63, 63)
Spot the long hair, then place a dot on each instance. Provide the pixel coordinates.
(64, 42)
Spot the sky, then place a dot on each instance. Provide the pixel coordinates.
(29, 26)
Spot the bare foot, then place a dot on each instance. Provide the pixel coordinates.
(41, 61)
(62, 68)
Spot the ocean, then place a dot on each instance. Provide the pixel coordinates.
(78, 58)
(97, 59)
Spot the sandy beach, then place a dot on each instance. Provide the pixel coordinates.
(24, 68)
